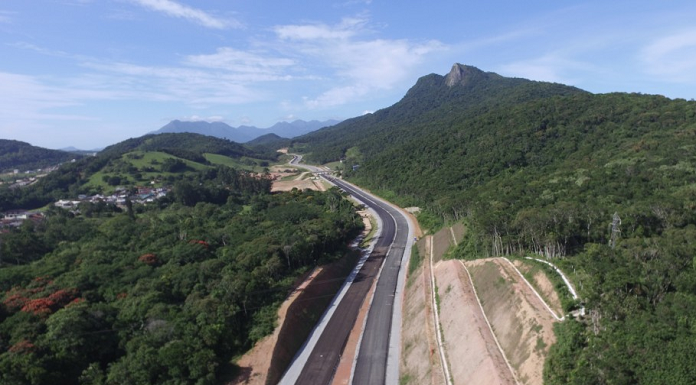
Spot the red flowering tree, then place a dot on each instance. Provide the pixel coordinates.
(39, 298)
(149, 259)
(15, 299)
(199, 242)
(23, 346)
(39, 306)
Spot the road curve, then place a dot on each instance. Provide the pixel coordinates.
(375, 364)
(372, 361)
(322, 361)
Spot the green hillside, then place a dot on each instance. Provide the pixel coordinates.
(23, 156)
(269, 142)
(159, 159)
(163, 293)
(603, 184)
(430, 105)
(193, 143)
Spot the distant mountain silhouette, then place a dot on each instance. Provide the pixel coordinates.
(243, 134)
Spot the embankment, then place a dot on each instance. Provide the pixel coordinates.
(520, 321)
(420, 361)
(267, 362)
(496, 331)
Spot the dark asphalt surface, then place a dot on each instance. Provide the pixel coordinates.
(322, 362)
(371, 365)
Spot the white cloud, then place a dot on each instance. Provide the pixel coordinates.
(174, 9)
(254, 66)
(31, 96)
(28, 104)
(43, 50)
(197, 88)
(348, 28)
(358, 66)
(672, 57)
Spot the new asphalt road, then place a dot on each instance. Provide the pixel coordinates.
(377, 359)
(371, 363)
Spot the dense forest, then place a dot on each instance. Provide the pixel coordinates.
(23, 156)
(605, 185)
(160, 294)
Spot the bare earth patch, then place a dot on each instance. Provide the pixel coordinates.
(288, 185)
(443, 242)
(543, 285)
(519, 319)
(410, 213)
(420, 361)
(472, 352)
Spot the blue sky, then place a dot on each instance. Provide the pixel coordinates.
(89, 73)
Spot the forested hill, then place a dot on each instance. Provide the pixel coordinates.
(195, 143)
(23, 156)
(435, 102)
(605, 185)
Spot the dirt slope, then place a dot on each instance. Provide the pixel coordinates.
(255, 365)
(471, 349)
(519, 319)
(542, 283)
(420, 361)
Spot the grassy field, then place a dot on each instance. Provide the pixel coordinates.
(333, 165)
(142, 161)
(149, 165)
(244, 163)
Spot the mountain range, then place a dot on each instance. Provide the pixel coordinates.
(243, 134)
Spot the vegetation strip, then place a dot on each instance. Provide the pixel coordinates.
(500, 348)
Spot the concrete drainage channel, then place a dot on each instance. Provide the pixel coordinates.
(580, 311)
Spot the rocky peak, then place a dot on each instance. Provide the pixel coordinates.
(461, 74)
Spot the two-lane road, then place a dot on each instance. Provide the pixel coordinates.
(377, 360)
(374, 355)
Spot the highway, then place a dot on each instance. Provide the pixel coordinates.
(372, 361)
(374, 356)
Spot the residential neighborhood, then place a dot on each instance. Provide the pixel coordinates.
(139, 195)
